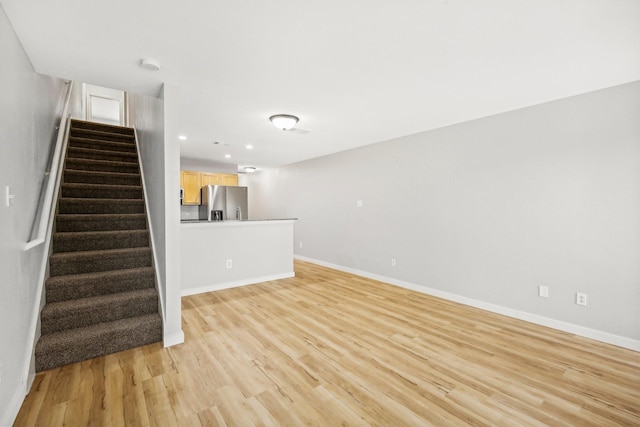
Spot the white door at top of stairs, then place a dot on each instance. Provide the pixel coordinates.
(104, 105)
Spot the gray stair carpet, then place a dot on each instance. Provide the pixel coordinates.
(101, 296)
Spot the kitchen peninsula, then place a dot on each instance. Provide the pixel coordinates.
(224, 254)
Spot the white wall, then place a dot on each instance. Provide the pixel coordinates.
(204, 165)
(488, 209)
(146, 115)
(149, 116)
(259, 251)
(30, 108)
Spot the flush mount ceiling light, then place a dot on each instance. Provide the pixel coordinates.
(284, 121)
(249, 169)
(150, 64)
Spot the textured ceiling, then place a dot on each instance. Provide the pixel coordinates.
(356, 72)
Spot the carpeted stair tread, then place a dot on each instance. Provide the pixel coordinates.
(104, 127)
(99, 240)
(83, 312)
(101, 134)
(100, 206)
(76, 345)
(100, 222)
(94, 177)
(105, 136)
(94, 154)
(71, 286)
(97, 144)
(101, 165)
(93, 261)
(101, 191)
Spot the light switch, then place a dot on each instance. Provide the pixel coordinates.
(10, 196)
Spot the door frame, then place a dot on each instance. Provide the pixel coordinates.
(92, 91)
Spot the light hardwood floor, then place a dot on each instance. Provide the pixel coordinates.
(328, 348)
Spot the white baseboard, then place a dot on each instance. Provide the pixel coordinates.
(14, 407)
(582, 331)
(235, 284)
(173, 339)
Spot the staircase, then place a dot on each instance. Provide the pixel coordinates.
(100, 296)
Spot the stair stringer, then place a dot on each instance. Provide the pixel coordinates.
(154, 254)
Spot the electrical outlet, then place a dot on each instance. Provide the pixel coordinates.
(229, 263)
(581, 299)
(359, 203)
(543, 291)
(301, 244)
(393, 262)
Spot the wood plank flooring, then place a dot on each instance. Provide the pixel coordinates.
(327, 348)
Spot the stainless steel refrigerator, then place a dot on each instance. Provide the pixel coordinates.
(220, 202)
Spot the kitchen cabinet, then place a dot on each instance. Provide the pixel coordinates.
(229, 179)
(209, 179)
(191, 184)
(192, 181)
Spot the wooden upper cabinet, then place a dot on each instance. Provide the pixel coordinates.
(207, 178)
(229, 179)
(193, 181)
(190, 182)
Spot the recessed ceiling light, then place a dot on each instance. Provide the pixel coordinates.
(182, 138)
(150, 64)
(227, 156)
(249, 147)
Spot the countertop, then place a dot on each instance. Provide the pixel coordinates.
(233, 221)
